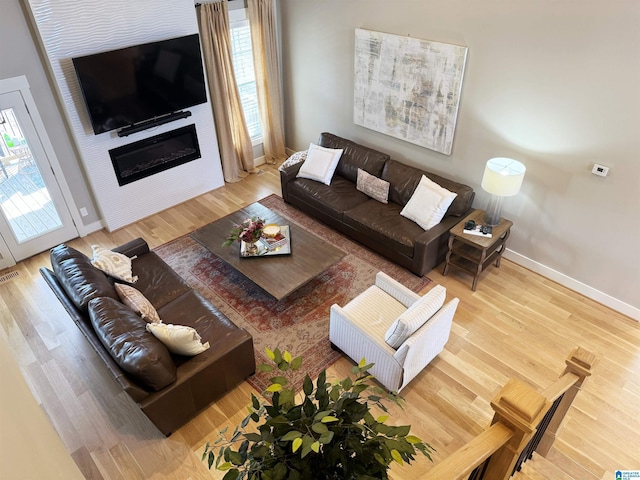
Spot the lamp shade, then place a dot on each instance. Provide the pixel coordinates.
(503, 176)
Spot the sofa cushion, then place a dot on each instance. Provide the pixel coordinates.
(79, 279)
(157, 281)
(372, 186)
(428, 204)
(178, 339)
(137, 302)
(320, 163)
(383, 224)
(404, 179)
(123, 333)
(354, 156)
(332, 200)
(193, 310)
(415, 316)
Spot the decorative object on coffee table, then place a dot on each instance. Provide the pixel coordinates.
(248, 232)
(276, 243)
(271, 230)
(472, 253)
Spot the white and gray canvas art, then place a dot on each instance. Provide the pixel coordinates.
(408, 88)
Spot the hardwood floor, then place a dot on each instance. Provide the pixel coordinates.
(517, 324)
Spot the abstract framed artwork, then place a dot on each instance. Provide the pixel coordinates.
(408, 88)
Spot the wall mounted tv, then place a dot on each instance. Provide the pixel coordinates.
(139, 83)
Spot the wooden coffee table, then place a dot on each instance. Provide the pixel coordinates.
(277, 275)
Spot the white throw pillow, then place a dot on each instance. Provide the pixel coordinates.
(428, 204)
(113, 263)
(178, 339)
(415, 316)
(320, 164)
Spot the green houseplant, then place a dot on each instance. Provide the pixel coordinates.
(325, 432)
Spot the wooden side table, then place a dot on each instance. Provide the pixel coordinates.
(472, 253)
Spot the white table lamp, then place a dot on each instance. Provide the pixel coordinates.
(502, 178)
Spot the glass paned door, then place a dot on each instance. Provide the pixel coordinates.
(34, 216)
(24, 198)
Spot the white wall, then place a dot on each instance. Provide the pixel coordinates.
(69, 29)
(552, 83)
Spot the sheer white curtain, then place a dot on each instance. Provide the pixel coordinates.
(262, 19)
(236, 151)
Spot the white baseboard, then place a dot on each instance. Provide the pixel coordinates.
(573, 284)
(85, 230)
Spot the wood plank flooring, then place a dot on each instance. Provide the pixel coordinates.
(517, 324)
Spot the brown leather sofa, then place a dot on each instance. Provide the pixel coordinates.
(377, 225)
(170, 389)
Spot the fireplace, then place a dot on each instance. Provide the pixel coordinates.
(146, 157)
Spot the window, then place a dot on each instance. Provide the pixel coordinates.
(245, 75)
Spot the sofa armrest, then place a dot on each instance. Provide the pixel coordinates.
(202, 379)
(427, 245)
(355, 342)
(395, 289)
(133, 248)
(426, 342)
(287, 175)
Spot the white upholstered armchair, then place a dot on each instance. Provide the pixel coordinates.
(394, 328)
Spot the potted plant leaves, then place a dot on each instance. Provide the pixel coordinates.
(326, 431)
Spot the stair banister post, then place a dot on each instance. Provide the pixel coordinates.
(579, 363)
(520, 408)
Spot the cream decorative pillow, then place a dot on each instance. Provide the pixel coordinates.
(415, 316)
(136, 301)
(373, 186)
(113, 263)
(320, 164)
(178, 339)
(296, 157)
(428, 204)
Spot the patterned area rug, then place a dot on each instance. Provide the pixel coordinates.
(298, 323)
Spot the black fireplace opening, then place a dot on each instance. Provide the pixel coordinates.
(146, 157)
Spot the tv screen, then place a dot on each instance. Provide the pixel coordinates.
(130, 85)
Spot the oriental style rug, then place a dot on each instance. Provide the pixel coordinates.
(298, 323)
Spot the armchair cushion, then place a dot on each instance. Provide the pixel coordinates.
(415, 316)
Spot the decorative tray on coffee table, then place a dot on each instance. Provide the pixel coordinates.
(267, 246)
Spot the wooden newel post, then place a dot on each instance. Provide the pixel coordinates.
(520, 408)
(579, 366)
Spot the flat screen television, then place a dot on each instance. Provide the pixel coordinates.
(142, 82)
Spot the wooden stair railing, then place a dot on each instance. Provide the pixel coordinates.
(564, 390)
(525, 421)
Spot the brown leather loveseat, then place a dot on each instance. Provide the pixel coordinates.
(377, 225)
(170, 389)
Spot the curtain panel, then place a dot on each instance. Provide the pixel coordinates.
(265, 56)
(234, 142)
